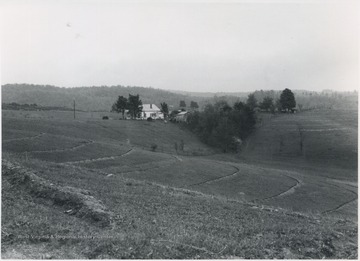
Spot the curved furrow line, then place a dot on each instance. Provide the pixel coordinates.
(283, 193)
(24, 138)
(342, 204)
(149, 168)
(218, 178)
(177, 158)
(62, 150)
(99, 159)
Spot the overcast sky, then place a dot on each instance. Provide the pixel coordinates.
(177, 45)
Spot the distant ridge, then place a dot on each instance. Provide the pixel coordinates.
(101, 98)
(87, 98)
(212, 94)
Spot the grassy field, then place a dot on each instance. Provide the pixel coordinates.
(141, 134)
(276, 199)
(313, 138)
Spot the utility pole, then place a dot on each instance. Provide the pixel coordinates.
(74, 109)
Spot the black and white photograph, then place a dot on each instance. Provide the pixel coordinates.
(179, 129)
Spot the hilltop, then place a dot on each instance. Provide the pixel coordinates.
(87, 98)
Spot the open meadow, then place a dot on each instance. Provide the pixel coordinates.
(291, 191)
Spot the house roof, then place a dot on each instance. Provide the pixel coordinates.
(154, 108)
(182, 113)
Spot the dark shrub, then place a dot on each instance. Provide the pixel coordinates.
(149, 119)
(153, 147)
(105, 117)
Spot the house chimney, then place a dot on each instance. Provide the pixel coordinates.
(150, 106)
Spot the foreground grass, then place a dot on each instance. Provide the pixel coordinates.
(153, 221)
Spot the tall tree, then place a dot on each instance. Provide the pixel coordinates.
(134, 106)
(251, 101)
(287, 100)
(120, 105)
(182, 104)
(194, 105)
(164, 109)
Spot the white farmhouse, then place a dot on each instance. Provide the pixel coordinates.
(152, 111)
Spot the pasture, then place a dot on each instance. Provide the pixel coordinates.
(294, 165)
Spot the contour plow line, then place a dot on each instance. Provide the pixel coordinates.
(342, 204)
(98, 159)
(24, 138)
(108, 174)
(177, 157)
(168, 161)
(287, 192)
(62, 150)
(218, 178)
(198, 193)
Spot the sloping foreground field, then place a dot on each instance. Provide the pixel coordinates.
(62, 211)
(290, 180)
(163, 204)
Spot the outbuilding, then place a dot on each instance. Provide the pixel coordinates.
(182, 116)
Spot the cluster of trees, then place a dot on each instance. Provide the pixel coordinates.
(223, 126)
(285, 102)
(307, 100)
(133, 104)
(193, 105)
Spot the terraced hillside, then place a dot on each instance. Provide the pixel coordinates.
(160, 202)
(321, 148)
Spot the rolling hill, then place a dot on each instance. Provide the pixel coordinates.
(90, 188)
(87, 99)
